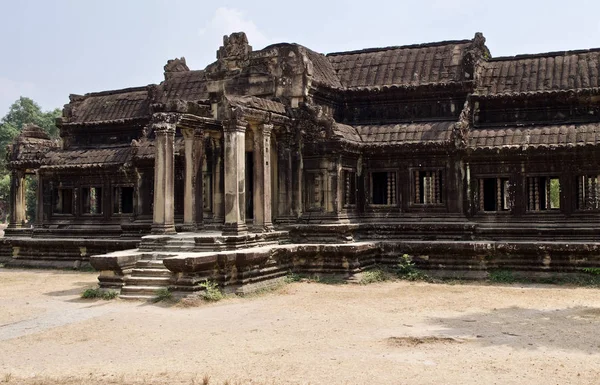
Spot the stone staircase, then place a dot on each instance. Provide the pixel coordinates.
(148, 276)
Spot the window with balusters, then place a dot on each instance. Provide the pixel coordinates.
(543, 193)
(494, 194)
(588, 192)
(428, 187)
(383, 188)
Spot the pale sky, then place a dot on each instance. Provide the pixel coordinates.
(52, 48)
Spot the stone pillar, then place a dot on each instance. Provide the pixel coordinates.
(39, 210)
(218, 183)
(192, 201)
(262, 177)
(164, 173)
(235, 178)
(284, 177)
(17, 200)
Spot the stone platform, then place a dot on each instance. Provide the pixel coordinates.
(183, 263)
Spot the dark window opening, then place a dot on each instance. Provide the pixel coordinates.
(123, 200)
(349, 188)
(543, 193)
(588, 192)
(91, 200)
(383, 188)
(62, 201)
(494, 194)
(428, 187)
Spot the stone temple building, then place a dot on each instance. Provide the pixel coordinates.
(285, 159)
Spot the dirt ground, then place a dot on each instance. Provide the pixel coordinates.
(302, 333)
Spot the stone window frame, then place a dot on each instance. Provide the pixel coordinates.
(80, 198)
(439, 191)
(393, 198)
(479, 202)
(533, 199)
(113, 202)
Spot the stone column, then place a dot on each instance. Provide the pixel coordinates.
(284, 177)
(218, 183)
(235, 183)
(192, 205)
(17, 199)
(39, 210)
(262, 177)
(164, 173)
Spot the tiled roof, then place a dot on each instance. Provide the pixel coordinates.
(110, 105)
(185, 85)
(408, 65)
(406, 133)
(542, 72)
(537, 136)
(88, 157)
(323, 72)
(258, 103)
(346, 132)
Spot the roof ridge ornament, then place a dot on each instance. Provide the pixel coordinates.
(175, 65)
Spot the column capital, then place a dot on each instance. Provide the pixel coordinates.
(234, 125)
(266, 128)
(164, 123)
(192, 133)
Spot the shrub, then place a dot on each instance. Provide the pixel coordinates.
(406, 269)
(96, 293)
(163, 294)
(212, 292)
(373, 276)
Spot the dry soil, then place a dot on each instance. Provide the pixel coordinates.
(302, 333)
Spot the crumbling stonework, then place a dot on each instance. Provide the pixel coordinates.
(286, 159)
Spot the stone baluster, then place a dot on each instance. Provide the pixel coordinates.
(164, 172)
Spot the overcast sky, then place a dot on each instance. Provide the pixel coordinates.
(52, 48)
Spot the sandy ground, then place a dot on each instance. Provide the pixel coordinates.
(302, 333)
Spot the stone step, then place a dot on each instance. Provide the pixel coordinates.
(151, 272)
(149, 264)
(137, 297)
(148, 291)
(147, 281)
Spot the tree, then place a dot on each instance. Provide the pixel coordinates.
(22, 111)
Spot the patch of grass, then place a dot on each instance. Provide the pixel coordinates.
(373, 276)
(405, 269)
(163, 294)
(96, 293)
(293, 277)
(7, 378)
(212, 292)
(502, 276)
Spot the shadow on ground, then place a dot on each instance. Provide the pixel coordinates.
(569, 329)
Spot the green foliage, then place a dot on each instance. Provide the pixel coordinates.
(163, 294)
(100, 294)
(592, 270)
(554, 193)
(292, 277)
(373, 276)
(212, 292)
(406, 269)
(23, 111)
(502, 276)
